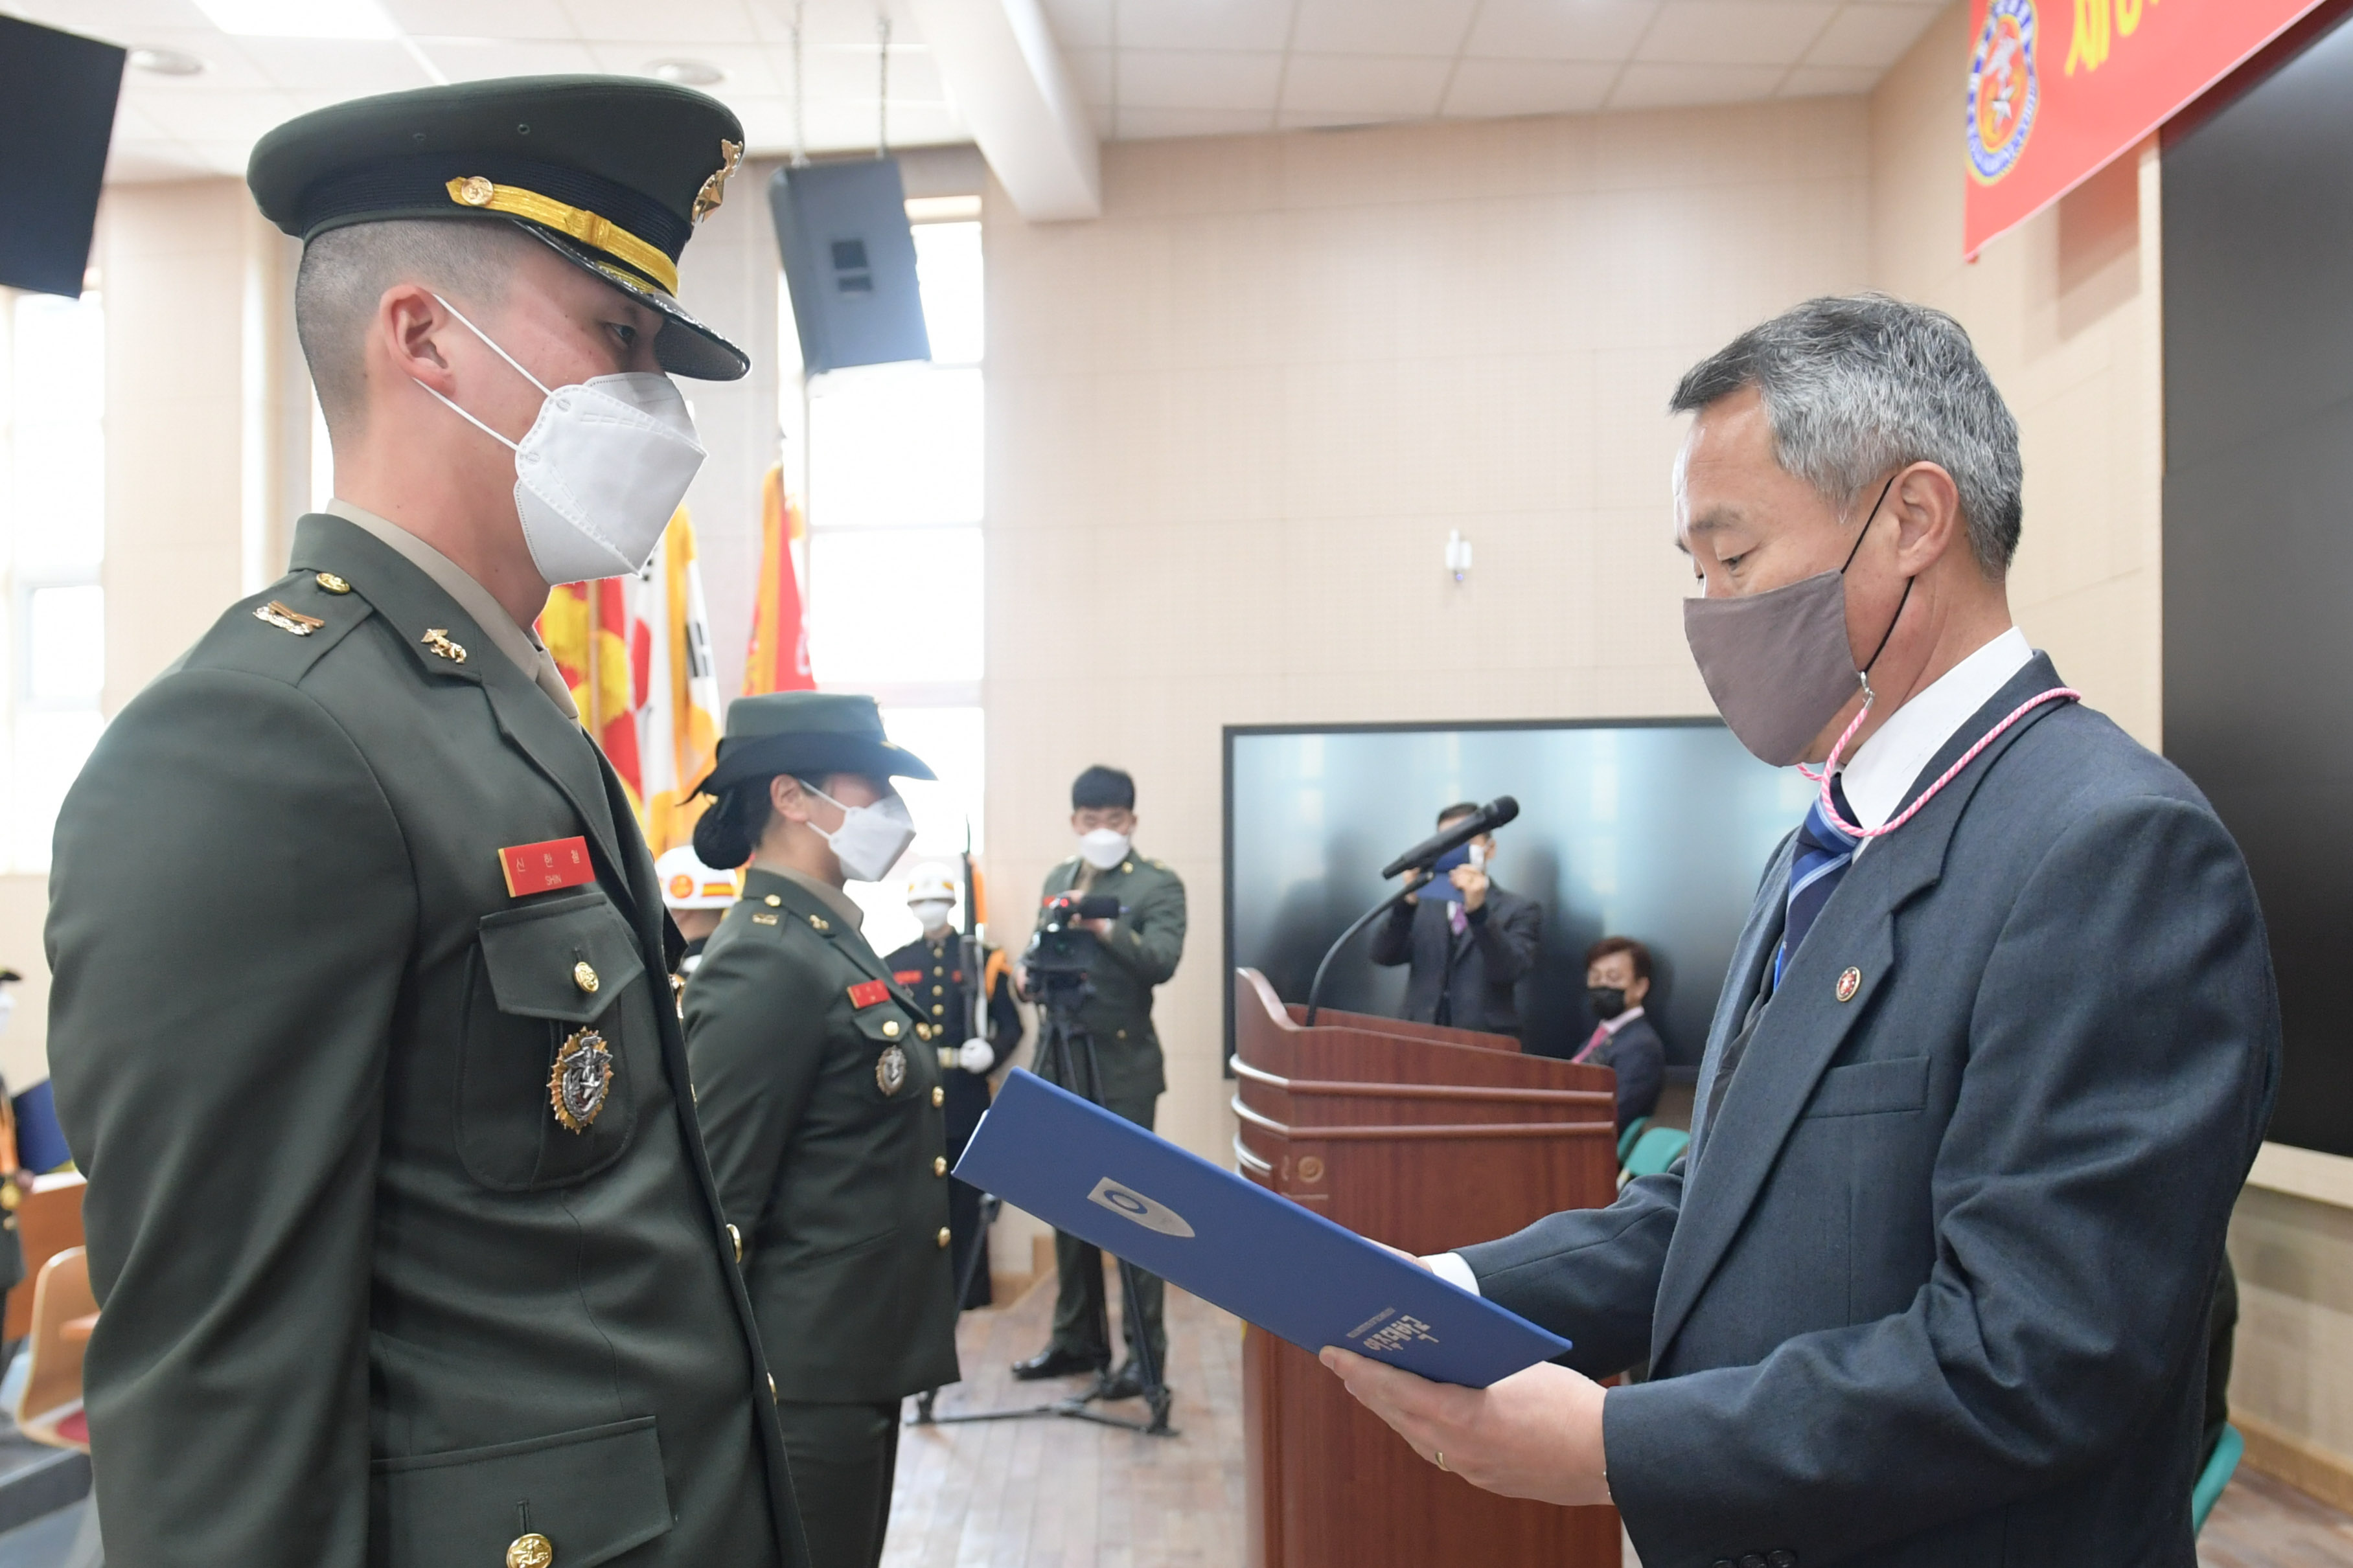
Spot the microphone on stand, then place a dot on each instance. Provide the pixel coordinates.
(1416, 861)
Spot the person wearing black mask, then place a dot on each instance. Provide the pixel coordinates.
(1616, 979)
(1467, 939)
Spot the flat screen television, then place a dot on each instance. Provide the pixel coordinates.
(1656, 829)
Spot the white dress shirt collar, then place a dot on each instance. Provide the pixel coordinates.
(1882, 771)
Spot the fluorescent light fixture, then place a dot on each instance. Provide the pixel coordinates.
(167, 62)
(301, 19)
(687, 73)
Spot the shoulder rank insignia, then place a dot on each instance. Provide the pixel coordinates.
(581, 1078)
(761, 918)
(891, 1071)
(868, 993)
(286, 620)
(437, 640)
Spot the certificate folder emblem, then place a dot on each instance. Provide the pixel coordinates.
(1260, 1255)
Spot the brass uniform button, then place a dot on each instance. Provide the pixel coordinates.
(771, 900)
(944, 1235)
(939, 1007)
(889, 1029)
(939, 1164)
(939, 1095)
(772, 1388)
(532, 1550)
(333, 583)
(583, 975)
(737, 1238)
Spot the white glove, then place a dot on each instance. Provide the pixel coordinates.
(976, 1056)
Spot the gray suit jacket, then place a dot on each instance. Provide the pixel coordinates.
(1476, 975)
(1930, 1286)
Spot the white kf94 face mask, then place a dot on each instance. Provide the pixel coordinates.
(870, 838)
(600, 470)
(1102, 849)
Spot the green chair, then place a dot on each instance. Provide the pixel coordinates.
(2216, 1476)
(1653, 1152)
(1626, 1139)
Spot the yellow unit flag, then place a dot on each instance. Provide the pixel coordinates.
(680, 718)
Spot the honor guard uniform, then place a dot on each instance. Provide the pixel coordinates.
(696, 896)
(362, 1023)
(932, 967)
(822, 1102)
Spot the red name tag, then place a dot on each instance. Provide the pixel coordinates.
(869, 993)
(906, 976)
(543, 868)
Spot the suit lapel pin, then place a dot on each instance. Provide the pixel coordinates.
(436, 641)
(1849, 981)
(285, 620)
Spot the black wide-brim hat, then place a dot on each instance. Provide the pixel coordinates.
(612, 172)
(808, 734)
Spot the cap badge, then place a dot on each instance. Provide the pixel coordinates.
(476, 190)
(891, 1071)
(1849, 981)
(286, 620)
(715, 189)
(582, 1077)
(436, 641)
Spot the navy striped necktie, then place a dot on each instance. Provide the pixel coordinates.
(1824, 852)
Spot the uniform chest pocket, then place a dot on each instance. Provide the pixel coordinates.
(901, 1066)
(558, 1033)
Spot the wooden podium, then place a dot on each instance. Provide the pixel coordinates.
(1425, 1138)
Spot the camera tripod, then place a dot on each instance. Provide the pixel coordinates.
(1064, 1047)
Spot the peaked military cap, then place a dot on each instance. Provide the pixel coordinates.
(808, 734)
(613, 173)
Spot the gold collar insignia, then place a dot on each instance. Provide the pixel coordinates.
(437, 640)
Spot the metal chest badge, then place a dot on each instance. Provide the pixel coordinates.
(891, 1071)
(581, 1078)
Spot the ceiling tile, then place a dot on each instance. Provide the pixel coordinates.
(338, 67)
(829, 23)
(1366, 85)
(1548, 29)
(747, 66)
(479, 60)
(1489, 87)
(1198, 79)
(1734, 32)
(222, 116)
(1382, 27)
(226, 67)
(1080, 23)
(1828, 81)
(503, 19)
(1203, 23)
(1089, 72)
(1873, 36)
(1150, 124)
(115, 21)
(674, 24)
(1670, 87)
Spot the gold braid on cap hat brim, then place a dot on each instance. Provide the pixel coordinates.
(587, 228)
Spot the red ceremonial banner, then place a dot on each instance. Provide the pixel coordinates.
(2059, 88)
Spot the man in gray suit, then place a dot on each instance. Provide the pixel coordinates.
(1995, 1050)
(1467, 939)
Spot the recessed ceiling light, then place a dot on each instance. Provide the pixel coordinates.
(301, 19)
(687, 73)
(167, 62)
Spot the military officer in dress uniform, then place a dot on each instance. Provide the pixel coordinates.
(362, 1023)
(933, 967)
(821, 1100)
(1134, 954)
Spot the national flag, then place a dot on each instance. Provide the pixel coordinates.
(598, 648)
(679, 723)
(777, 659)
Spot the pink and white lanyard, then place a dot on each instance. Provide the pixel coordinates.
(1830, 766)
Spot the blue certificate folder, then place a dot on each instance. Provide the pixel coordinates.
(1228, 1241)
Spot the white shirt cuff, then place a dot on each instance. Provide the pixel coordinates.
(1450, 1267)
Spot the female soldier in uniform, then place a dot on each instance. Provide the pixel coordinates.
(818, 1086)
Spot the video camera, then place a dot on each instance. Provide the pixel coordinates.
(1063, 949)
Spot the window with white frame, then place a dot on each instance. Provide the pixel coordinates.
(53, 517)
(890, 460)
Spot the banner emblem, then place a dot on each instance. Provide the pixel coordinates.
(2004, 91)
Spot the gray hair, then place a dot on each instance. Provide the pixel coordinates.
(345, 271)
(1857, 386)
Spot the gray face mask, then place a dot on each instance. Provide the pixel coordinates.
(1778, 664)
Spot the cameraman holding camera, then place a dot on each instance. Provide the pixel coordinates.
(1130, 954)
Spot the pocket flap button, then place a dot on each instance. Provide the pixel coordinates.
(583, 975)
(531, 1551)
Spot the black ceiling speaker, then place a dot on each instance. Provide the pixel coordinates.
(57, 116)
(850, 261)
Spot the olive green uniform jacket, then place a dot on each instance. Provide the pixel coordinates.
(365, 1300)
(1140, 954)
(819, 1090)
